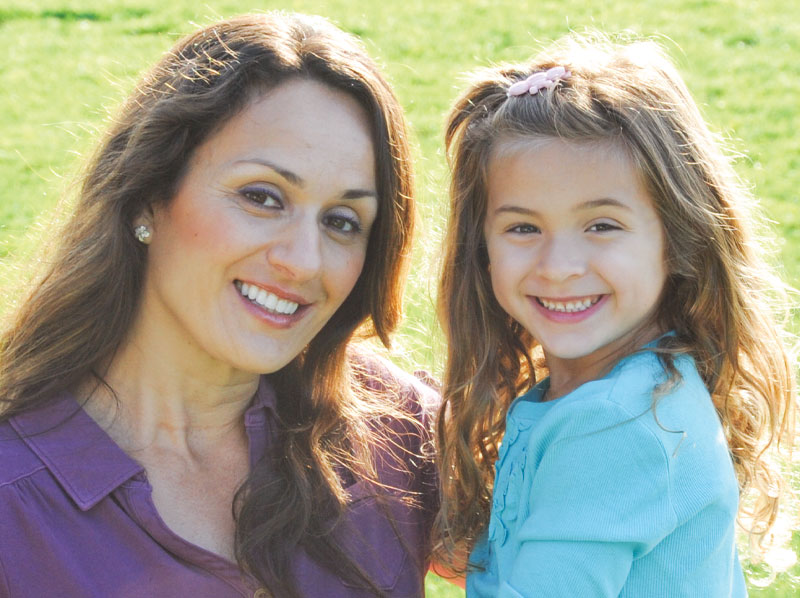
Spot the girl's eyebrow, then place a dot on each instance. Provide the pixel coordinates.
(586, 205)
(298, 181)
(604, 202)
(516, 210)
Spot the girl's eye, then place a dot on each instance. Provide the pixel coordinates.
(524, 229)
(263, 196)
(603, 227)
(344, 224)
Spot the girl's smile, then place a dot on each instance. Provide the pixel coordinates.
(576, 249)
(572, 309)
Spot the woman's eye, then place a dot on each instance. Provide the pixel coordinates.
(602, 227)
(343, 224)
(263, 196)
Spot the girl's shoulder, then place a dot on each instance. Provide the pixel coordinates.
(633, 384)
(636, 384)
(642, 379)
(639, 405)
(637, 399)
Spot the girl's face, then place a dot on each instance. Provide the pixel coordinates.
(576, 248)
(267, 234)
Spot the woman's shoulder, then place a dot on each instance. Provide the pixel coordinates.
(404, 451)
(415, 393)
(31, 486)
(59, 454)
(17, 459)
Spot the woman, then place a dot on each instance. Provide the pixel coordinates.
(184, 411)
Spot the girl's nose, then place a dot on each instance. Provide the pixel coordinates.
(561, 258)
(297, 252)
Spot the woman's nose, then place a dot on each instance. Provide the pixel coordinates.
(297, 252)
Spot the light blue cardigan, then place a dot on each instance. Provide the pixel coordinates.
(598, 495)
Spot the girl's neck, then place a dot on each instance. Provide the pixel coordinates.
(568, 374)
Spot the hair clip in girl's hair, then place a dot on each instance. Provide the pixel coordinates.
(538, 81)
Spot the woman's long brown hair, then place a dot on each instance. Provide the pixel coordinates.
(722, 299)
(79, 312)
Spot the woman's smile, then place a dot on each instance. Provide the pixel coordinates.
(275, 308)
(269, 228)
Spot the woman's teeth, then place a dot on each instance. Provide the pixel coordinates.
(569, 306)
(267, 300)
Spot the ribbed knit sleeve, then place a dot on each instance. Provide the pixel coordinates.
(600, 499)
(614, 489)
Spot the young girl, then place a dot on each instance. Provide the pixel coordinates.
(595, 223)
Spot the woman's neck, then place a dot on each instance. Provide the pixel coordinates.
(163, 398)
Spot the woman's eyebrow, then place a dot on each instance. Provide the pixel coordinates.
(297, 180)
(359, 194)
(285, 173)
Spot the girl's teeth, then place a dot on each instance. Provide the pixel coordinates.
(267, 300)
(569, 306)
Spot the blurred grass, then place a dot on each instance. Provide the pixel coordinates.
(68, 62)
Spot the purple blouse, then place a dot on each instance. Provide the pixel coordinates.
(77, 517)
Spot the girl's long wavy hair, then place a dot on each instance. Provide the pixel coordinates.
(721, 298)
(80, 310)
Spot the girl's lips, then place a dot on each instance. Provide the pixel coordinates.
(568, 310)
(568, 304)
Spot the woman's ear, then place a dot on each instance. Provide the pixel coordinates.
(143, 226)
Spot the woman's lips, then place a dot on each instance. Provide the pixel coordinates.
(278, 308)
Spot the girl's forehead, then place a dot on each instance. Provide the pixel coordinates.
(547, 155)
(557, 176)
(512, 144)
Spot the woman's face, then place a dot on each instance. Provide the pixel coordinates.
(268, 231)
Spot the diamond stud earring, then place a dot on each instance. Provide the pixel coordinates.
(142, 234)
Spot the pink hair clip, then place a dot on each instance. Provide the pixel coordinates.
(538, 81)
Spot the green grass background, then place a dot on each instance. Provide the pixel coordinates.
(67, 63)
